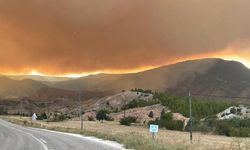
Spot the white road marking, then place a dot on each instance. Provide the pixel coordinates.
(94, 139)
(43, 145)
(43, 141)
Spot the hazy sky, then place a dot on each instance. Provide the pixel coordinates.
(77, 36)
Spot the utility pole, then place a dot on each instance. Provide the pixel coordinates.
(21, 107)
(190, 115)
(124, 112)
(79, 99)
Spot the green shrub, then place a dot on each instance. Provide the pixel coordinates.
(102, 115)
(240, 132)
(42, 116)
(56, 116)
(166, 121)
(2, 111)
(175, 125)
(231, 127)
(128, 120)
(222, 128)
(139, 103)
(142, 91)
(201, 108)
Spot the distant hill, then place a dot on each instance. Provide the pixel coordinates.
(39, 78)
(203, 77)
(50, 93)
(12, 89)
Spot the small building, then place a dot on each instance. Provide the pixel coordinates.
(34, 117)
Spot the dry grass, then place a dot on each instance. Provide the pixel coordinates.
(139, 138)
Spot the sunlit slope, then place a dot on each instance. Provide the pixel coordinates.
(204, 77)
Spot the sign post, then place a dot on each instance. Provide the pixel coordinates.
(153, 129)
(190, 116)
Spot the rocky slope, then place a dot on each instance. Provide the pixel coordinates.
(240, 111)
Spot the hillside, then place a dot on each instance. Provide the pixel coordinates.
(38, 78)
(12, 89)
(203, 77)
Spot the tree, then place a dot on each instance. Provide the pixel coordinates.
(163, 112)
(102, 115)
(151, 114)
(44, 116)
(128, 120)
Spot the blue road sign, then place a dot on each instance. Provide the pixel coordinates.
(153, 128)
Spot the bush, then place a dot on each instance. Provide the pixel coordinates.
(166, 121)
(233, 111)
(151, 114)
(139, 103)
(102, 115)
(207, 125)
(44, 116)
(240, 132)
(39, 117)
(110, 118)
(222, 128)
(175, 125)
(142, 91)
(91, 118)
(2, 111)
(232, 127)
(127, 121)
(56, 116)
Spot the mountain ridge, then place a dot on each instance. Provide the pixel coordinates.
(211, 76)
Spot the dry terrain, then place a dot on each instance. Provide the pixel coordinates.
(138, 137)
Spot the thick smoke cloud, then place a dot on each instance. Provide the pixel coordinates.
(74, 36)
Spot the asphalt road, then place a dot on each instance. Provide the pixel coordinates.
(14, 137)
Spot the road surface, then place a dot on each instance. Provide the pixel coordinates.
(15, 137)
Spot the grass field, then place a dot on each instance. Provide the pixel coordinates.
(139, 138)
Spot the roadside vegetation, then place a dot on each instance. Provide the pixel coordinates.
(204, 115)
(103, 115)
(201, 108)
(138, 138)
(230, 127)
(139, 103)
(166, 121)
(131, 139)
(204, 118)
(128, 120)
(2, 111)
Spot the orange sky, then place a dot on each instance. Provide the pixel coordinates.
(76, 37)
